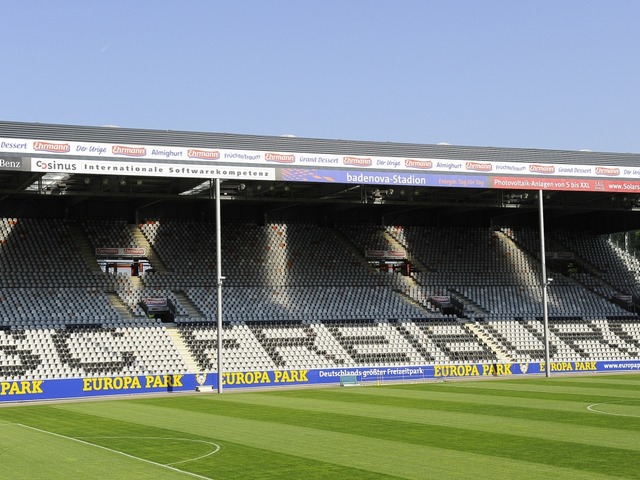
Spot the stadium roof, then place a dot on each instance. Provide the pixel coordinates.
(111, 134)
(20, 184)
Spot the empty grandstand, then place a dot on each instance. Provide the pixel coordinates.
(110, 280)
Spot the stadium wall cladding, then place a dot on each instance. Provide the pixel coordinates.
(52, 389)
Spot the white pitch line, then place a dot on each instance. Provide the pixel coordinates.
(212, 452)
(195, 475)
(591, 409)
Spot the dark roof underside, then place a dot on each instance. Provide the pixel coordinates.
(94, 195)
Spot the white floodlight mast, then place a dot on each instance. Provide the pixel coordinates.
(545, 284)
(219, 279)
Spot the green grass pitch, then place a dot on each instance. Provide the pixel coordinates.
(570, 427)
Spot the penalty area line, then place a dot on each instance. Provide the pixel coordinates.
(592, 409)
(117, 452)
(216, 447)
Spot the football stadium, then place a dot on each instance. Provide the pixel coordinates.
(204, 305)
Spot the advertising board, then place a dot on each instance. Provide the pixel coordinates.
(51, 389)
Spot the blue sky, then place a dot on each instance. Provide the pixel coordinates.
(538, 74)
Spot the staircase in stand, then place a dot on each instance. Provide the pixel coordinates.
(396, 245)
(152, 257)
(123, 310)
(183, 350)
(84, 248)
(487, 340)
(470, 306)
(193, 312)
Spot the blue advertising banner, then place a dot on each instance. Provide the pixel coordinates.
(15, 391)
(385, 178)
(27, 390)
